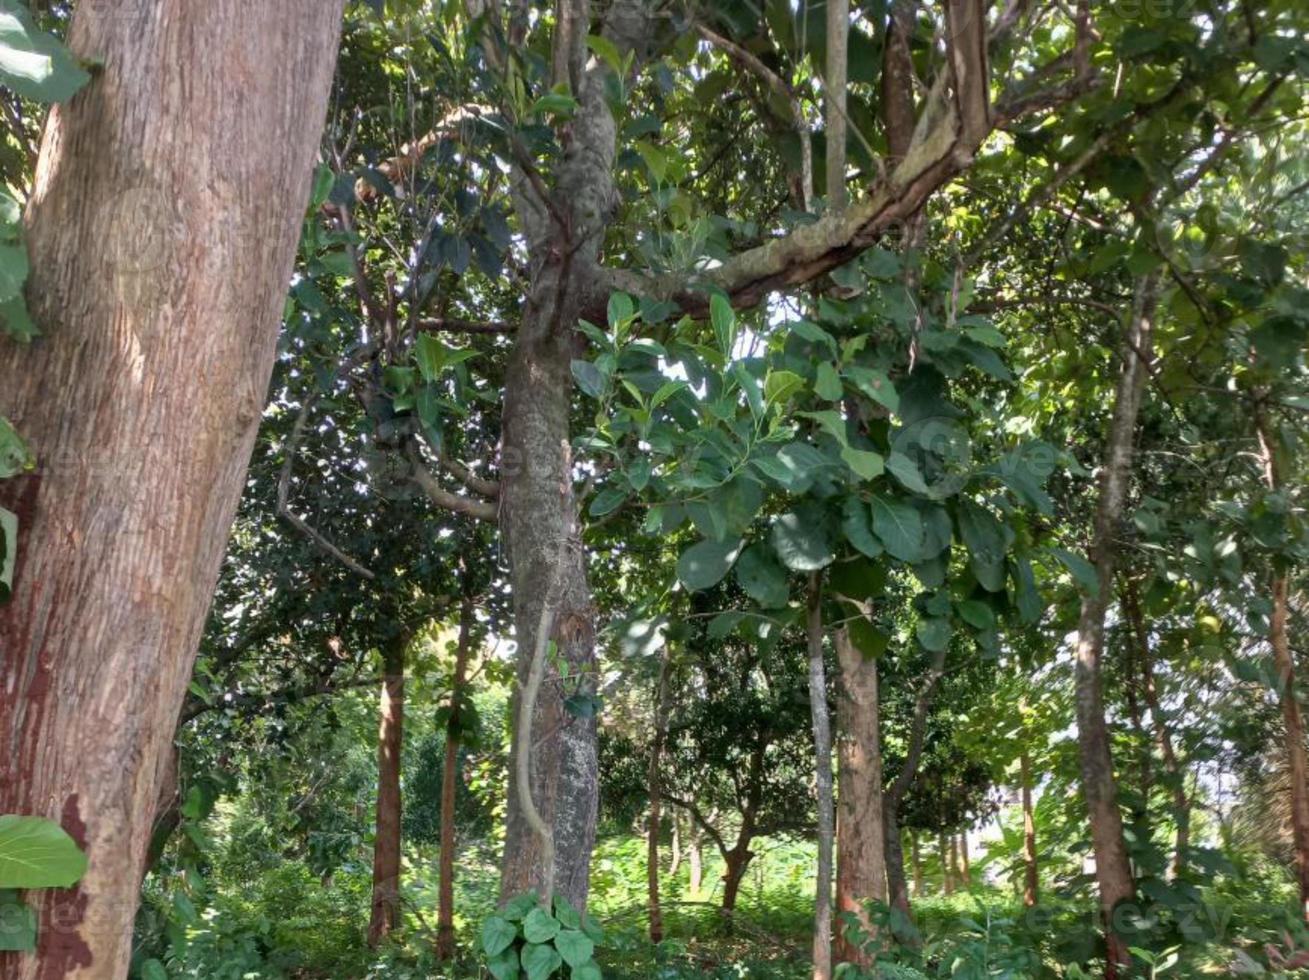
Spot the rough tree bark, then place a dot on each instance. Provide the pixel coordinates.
(1099, 787)
(652, 829)
(1163, 736)
(390, 747)
(445, 914)
(161, 243)
(822, 725)
(1031, 871)
(1284, 664)
(539, 513)
(860, 851)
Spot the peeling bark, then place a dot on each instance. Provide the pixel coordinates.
(161, 243)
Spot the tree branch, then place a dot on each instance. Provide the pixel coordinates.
(482, 510)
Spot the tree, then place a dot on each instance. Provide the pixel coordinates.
(140, 464)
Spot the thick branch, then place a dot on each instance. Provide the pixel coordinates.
(482, 510)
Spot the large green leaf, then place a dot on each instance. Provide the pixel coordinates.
(703, 565)
(762, 578)
(854, 523)
(33, 63)
(540, 961)
(37, 853)
(899, 526)
(802, 541)
(540, 926)
(574, 946)
(498, 935)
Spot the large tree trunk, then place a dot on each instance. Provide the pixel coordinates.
(947, 864)
(736, 862)
(1163, 737)
(1099, 787)
(445, 913)
(390, 747)
(694, 863)
(822, 725)
(539, 513)
(162, 229)
(1284, 663)
(652, 829)
(965, 866)
(1031, 871)
(860, 850)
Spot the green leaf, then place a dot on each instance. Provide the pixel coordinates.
(555, 103)
(934, 633)
(801, 541)
(540, 961)
(17, 923)
(866, 465)
(37, 853)
(899, 525)
(607, 501)
(868, 639)
(592, 928)
(587, 971)
(574, 947)
(540, 926)
(621, 309)
(498, 934)
(8, 552)
(857, 530)
(519, 906)
(568, 916)
(505, 965)
(828, 383)
(875, 384)
(724, 320)
(33, 63)
(762, 578)
(13, 270)
(906, 471)
(703, 565)
(15, 457)
(780, 385)
(589, 378)
(976, 614)
(1082, 570)
(15, 321)
(793, 467)
(858, 580)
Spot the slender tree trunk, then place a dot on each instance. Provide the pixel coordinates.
(897, 886)
(947, 864)
(916, 856)
(1163, 737)
(390, 750)
(1099, 787)
(652, 830)
(1031, 872)
(860, 850)
(954, 862)
(161, 236)
(1284, 664)
(539, 514)
(965, 867)
(695, 863)
(834, 94)
(445, 913)
(675, 846)
(822, 966)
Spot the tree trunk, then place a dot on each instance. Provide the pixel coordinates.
(445, 913)
(1099, 787)
(1163, 737)
(675, 846)
(947, 864)
(539, 515)
(860, 850)
(737, 860)
(161, 230)
(694, 862)
(390, 748)
(916, 855)
(834, 96)
(897, 887)
(965, 868)
(1284, 664)
(1031, 872)
(652, 831)
(822, 966)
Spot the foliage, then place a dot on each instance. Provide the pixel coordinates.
(534, 940)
